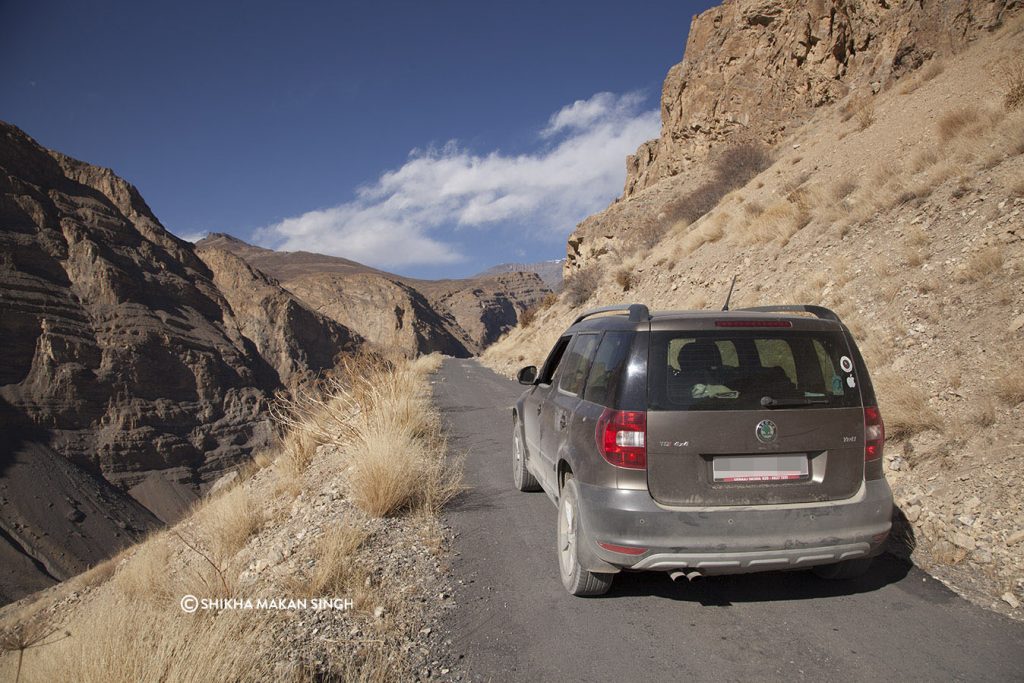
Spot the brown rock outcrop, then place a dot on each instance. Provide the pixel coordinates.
(121, 355)
(753, 68)
(454, 317)
(296, 341)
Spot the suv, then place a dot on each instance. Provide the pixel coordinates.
(703, 443)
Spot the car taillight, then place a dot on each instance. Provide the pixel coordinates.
(874, 433)
(622, 438)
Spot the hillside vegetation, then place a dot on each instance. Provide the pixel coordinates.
(903, 210)
(343, 508)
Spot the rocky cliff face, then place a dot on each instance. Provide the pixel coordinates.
(454, 317)
(296, 341)
(755, 69)
(123, 356)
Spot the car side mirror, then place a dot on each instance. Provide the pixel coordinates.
(528, 375)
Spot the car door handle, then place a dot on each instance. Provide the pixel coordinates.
(562, 421)
(538, 410)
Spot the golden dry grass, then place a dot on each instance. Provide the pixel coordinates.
(1013, 77)
(336, 571)
(779, 222)
(1009, 387)
(119, 639)
(904, 407)
(378, 414)
(956, 122)
(230, 521)
(142, 576)
(981, 265)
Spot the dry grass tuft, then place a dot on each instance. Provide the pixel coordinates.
(866, 115)
(1009, 388)
(981, 265)
(733, 168)
(957, 122)
(581, 285)
(1013, 75)
(143, 576)
(625, 279)
(779, 222)
(336, 571)
(528, 316)
(984, 414)
(230, 521)
(843, 189)
(904, 407)
(393, 443)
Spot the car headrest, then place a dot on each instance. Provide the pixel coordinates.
(699, 355)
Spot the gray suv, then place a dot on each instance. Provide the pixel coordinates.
(702, 443)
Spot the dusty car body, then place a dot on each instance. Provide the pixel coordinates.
(710, 442)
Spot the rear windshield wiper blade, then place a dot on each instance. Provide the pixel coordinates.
(769, 402)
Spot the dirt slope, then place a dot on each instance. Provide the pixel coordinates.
(903, 211)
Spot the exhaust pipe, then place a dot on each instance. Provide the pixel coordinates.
(691, 575)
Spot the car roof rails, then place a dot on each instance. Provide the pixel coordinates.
(816, 311)
(638, 313)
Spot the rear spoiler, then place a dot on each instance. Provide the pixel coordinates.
(816, 311)
(638, 313)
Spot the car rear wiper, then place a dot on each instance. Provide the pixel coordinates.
(769, 402)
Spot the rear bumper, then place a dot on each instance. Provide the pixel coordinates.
(731, 540)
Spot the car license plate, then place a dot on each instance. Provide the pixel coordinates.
(733, 468)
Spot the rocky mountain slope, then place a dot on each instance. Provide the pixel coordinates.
(754, 70)
(900, 205)
(142, 366)
(549, 271)
(454, 317)
(327, 566)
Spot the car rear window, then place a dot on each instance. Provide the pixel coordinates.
(750, 370)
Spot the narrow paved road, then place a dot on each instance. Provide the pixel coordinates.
(515, 622)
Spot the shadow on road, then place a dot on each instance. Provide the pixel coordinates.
(723, 591)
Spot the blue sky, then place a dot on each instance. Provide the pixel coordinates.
(429, 138)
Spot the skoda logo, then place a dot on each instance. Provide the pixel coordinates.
(766, 431)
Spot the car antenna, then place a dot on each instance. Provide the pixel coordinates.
(725, 307)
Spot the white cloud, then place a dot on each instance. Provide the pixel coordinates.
(408, 216)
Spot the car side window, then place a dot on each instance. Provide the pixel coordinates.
(577, 363)
(608, 368)
(553, 361)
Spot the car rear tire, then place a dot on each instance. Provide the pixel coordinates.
(577, 580)
(521, 476)
(847, 569)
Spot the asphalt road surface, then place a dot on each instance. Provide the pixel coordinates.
(514, 621)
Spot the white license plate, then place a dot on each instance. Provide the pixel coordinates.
(730, 468)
